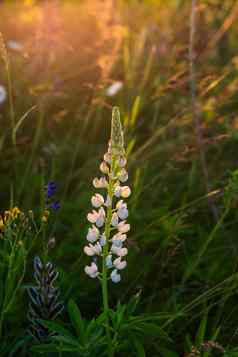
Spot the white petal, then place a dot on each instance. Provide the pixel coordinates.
(119, 264)
(125, 191)
(122, 252)
(115, 276)
(122, 161)
(119, 237)
(97, 200)
(108, 158)
(114, 221)
(123, 227)
(93, 234)
(92, 217)
(117, 191)
(91, 270)
(104, 168)
(108, 201)
(109, 261)
(89, 251)
(122, 213)
(123, 175)
(102, 240)
(100, 183)
(97, 248)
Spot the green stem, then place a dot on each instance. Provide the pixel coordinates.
(104, 270)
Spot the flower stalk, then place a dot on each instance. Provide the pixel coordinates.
(111, 216)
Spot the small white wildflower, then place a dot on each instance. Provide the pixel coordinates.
(115, 277)
(104, 168)
(123, 227)
(91, 270)
(3, 94)
(115, 219)
(114, 88)
(118, 264)
(93, 234)
(108, 261)
(123, 175)
(102, 240)
(15, 45)
(97, 200)
(100, 182)
(125, 191)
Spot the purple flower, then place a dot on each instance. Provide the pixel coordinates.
(50, 191)
(55, 206)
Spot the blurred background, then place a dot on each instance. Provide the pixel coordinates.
(173, 73)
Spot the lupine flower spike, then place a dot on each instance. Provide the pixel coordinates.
(43, 299)
(108, 232)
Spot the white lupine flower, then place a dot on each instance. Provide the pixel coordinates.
(120, 252)
(117, 191)
(92, 250)
(122, 210)
(97, 217)
(101, 217)
(91, 270)
(115, 277)
(89, 250)
(108, 158)
(110, 214)
(122, 161)
(123, 175)
(117, 243)
(3, 94)
(123, 227)
(114, 88)
(93, 234)
(97, 200)
(104, 168)
(100, 183)
(119, 237)
(98, 249)
(118, 264)
(125, 191)
(108, 261)
(115, 219)
(102, 240)
(92, 217)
